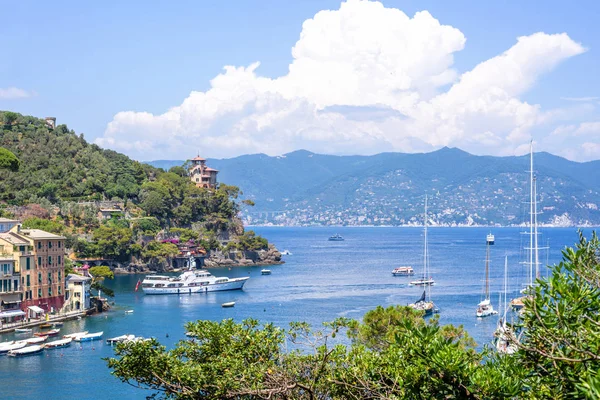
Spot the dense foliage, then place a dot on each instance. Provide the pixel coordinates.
(61, 175)
(392, 354)
(58, 164)
(8, 160)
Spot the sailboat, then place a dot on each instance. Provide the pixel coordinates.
(425, 280)
(485, 308)
(533, 261)
(506, 341)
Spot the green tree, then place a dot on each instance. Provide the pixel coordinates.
(8, 160)
(44, 224)
(99, 274)
(10, 117)
(113, 242)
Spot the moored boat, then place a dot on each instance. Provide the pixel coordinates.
(265, 271)
(23, 330)
(424, 305)
(403, 271)
(424, 281)
(51, 332)
(35, 340)
(228, 304)
(46, 325)
(75, 334)
(58, 343)
(485, 308)
(122, 338)
(6, 348)
(26, 351)
(336, 238)
(89, 337)
(191, 281)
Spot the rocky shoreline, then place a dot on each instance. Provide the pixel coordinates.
(216, 259)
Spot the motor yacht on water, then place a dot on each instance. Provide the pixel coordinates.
(191, 281)
(403, 271)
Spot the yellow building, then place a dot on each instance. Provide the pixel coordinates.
(10, 291)
(202, 175)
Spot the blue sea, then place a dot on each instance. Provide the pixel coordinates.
(320, 281)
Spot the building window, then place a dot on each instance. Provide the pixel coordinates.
(16, 285)
(28, 281)
(49, 245)
(39, 293)
(49, 290)
(59, 277)
(58, 289)
(58, 261)
(21, 248)
(59, 244)
(49, 260)
(39, 262)
(39, 245)
(49, 278)
(28, 263)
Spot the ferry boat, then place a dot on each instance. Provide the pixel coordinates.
(403, 271)
(336, 238)
(191, 281)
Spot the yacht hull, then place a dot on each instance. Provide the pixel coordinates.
(232, 284)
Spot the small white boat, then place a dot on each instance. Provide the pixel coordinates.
(265, 271)
(129, 312)
(51, 332)
(423, 282)
(7, 348)
(26, 351)
(228, 304)
(403, 271)
(336, 238)
(286, 253)
(35, 340)
(89, 337)
(23, 330)
(122, 338)
(58, 343)
(74, 335)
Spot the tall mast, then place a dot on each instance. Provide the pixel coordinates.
(535, 231)
(531, 214)
(505, 284)
(487, 270)
(425, 246)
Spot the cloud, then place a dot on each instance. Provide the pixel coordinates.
(362, 79)
(582, 99)
(14, 93)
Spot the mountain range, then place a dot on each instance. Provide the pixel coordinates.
(304, 188)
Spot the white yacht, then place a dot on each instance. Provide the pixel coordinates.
(191, 281)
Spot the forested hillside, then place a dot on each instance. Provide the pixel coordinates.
(60, 183)
(59, 164)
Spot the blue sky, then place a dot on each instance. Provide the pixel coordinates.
(87, 63)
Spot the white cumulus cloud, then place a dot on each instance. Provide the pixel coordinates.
(363, 79)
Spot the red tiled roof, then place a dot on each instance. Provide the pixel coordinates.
(211, 169)
(198, 158)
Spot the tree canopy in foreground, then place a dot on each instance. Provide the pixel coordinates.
(391, 354)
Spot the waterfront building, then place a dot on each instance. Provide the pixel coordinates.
(20, 252)
(7, 224)
(202, 175)
(44, 284)
(77, 295)
(10, 290)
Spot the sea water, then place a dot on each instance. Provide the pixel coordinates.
(320, 281)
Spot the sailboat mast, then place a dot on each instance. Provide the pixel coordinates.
(425, 246)
(487, 270)
(505, 285)
(530, 253)
(535, 232)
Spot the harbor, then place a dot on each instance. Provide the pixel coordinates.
(318, 283)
